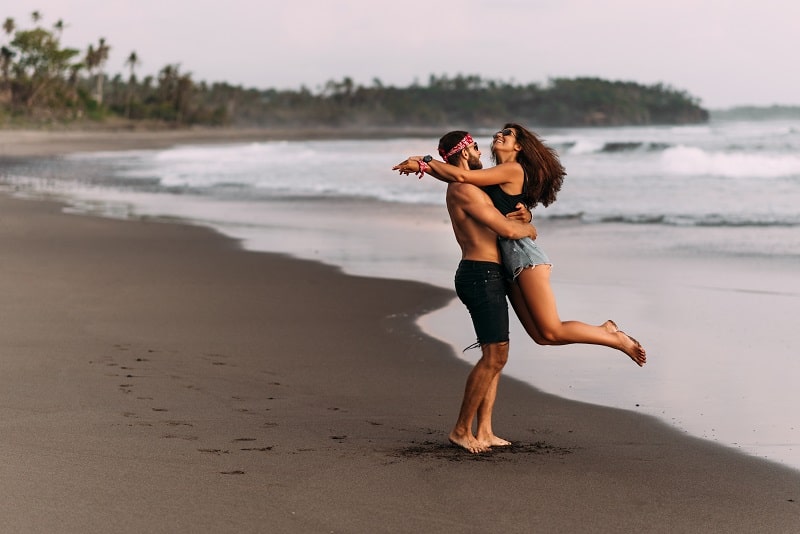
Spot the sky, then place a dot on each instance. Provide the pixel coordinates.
(723, 52)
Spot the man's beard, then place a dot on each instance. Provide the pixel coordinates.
(475, 163)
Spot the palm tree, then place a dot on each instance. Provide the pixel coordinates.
(9, 26)
(183, 91)
(95, 59)
(132, 62)
(59, 28)
(102, 52)
(90, 60)
(6, 55)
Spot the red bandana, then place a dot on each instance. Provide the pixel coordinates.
(464, 143)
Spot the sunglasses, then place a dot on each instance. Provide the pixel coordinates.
(505, 132)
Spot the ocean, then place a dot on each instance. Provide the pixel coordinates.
(689, 235)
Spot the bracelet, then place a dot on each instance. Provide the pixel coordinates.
(423, 168)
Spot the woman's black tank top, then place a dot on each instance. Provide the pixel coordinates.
(503, 201)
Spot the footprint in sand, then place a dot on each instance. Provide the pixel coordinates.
(178, 423)
(216, 452)
(217, 359)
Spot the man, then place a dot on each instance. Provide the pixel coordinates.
(480, 284)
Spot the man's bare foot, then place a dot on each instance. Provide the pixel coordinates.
(468, 443)
(493, 441)
(632, 348)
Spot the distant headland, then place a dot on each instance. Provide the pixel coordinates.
(45, 84)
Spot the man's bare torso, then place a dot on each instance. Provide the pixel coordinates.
(477, 241)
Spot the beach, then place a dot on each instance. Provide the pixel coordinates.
(158, 377)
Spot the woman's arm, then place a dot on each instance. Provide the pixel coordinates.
(503, 173)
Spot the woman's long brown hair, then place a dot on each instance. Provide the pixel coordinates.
(544, 173)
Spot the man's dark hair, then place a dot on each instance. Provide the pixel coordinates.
(448, 141)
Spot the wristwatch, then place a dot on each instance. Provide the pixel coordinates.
(427, 159)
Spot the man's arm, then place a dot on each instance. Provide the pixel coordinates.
(477, 205)
(522, 214)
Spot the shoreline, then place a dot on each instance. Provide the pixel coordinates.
(194, 372)
(20, 143)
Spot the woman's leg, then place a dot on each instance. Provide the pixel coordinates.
(524, 315)
(535, 304)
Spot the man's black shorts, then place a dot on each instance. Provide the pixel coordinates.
(481, 286)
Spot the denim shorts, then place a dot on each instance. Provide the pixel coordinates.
(521, 253)
(481, 286)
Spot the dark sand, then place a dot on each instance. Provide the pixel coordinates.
(157, 378)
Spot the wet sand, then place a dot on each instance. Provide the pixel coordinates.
(158, 378)
(25, 143)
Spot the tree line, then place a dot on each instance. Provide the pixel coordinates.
(43, 82)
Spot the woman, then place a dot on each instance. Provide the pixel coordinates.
(528, 171)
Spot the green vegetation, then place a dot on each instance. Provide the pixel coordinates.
(43, 83)
(755, 113)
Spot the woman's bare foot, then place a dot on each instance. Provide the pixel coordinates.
(610, 326)
(632, 348)
(468, 443)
